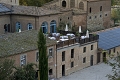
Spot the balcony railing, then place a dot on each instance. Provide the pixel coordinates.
(77, 40)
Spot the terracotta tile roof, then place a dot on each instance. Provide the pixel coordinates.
(14, 43)
(31, 10)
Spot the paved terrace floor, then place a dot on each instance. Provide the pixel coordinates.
(96, 72)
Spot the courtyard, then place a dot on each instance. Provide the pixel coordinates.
(96, 72)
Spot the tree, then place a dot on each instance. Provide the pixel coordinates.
(33, 2)
(115, 64)
(27, 72)
(6, 69)
(115, 15)
(43, 58)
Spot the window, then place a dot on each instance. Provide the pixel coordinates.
(84, 49)
(100, 8)
(23, 60)
(63, 56)
(60, 19)
(81, 5)
(18, 27)
(105, 14)
(114, 50)
(30, 26)
(84, 60)
(50, 52)
(50, 72)
(95, 16)
(68, 18)
(44, 27)
(91, 47)
(100, 15)
(90, 10)
(72, 53)
(63, 3)
(37, 56)
(90, 17)
(72, 64)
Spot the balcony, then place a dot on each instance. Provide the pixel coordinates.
(79, 40)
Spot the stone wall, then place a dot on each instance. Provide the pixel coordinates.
(99, 16)
(4, 19)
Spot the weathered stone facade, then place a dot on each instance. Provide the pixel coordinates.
(99, 15)
(77, 58)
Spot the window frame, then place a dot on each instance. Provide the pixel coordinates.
(72, 53)
(63, 56)
(24, 62)
(50, 52)
(84, 60)
(37, 56)
(84, 49)
(92, 47)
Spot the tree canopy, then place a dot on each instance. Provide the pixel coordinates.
(33, 2)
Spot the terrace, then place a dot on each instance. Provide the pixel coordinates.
(68, 38)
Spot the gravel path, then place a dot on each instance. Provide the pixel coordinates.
(96, 72)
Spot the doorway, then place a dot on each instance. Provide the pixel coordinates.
(91, 60)
(104, 57)
(63, 70)
(98, 57)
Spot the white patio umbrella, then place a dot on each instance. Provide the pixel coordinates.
(79, 29)
(87, 34)
(66, 28)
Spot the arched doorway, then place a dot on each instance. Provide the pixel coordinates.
(44, 27)
(63, 3)
(18, 26)
(53, 26)
(30, 26)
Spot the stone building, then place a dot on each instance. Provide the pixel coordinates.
(90, 14)
(22, 47)
(73, 12)
(12, 2)
(65, 57)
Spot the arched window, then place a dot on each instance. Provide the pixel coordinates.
(72, 3)
(81, 5)
(44, 27)
(18, 26)
(90, 10)
(53, 26)
(100, 8)
(63, 3)
(30, 26)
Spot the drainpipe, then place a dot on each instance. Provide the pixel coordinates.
(56, 61)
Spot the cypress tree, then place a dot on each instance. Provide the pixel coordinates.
(43, 58)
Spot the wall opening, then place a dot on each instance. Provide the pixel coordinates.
(63, 3)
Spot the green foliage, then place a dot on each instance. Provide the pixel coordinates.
(115, 15)
(115, 69)
(26, 72)
(6, 69)
(33, 2)
(43, 58)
